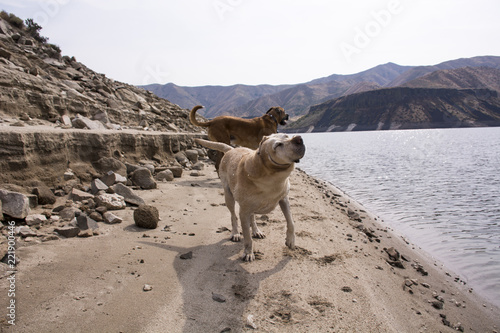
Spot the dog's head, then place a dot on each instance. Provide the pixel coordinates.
(281, 151)
(279, 115)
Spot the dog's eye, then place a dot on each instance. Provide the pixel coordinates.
(277, 144)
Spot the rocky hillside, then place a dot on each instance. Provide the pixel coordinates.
(37, 83)
(56, 113)
(403, 108)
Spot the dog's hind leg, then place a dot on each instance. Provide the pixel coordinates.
(290, 225)
(230, 203)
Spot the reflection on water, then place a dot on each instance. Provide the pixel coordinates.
(439, 188)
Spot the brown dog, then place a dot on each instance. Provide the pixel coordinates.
(258, 181)
(242, 132)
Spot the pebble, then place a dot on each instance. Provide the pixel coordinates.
(218, 298)
(147, 287)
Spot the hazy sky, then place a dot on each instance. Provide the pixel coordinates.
(224, 42)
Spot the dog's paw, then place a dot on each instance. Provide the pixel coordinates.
(258, 234)
(236, 237)
(290, 242)
(248, 257)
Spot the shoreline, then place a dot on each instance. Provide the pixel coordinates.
(337, 279)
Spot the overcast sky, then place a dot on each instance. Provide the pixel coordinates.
(225, 42)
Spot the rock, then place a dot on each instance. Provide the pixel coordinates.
(78, 195)
(147, 287)
(176, 170)
(198, 166)
(218, 298)
(68, 232)
(44, 194)
(65, 120)
(149, 166)
(69, 213)
(142, 177)
(146, 216)
(68, 174)
(392, 253)
(111, 201)
(346, 289)
(166, 175)
(84, 222)
(437, 304)
(84, 122)
(96, 216)
(15, 204)
(111, 218)
(131, 168)
(86, 233)
(25, 231)
(192, 155)
(128, 194)
(97, 185)
(35, 219)
(111, 178)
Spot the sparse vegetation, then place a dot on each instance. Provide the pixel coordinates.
(12, 19)
(33, 29)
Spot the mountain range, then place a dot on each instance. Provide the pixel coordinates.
(300, 100)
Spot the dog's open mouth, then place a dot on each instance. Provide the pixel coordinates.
(283, 121)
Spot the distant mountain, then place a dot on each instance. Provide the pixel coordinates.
(217, 100)
(460, 78)
(403, 108)
(415, 72)
(252, 101)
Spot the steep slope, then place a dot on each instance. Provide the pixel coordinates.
(38, 84)
(460, 78)
(416, 72)
(403, 108)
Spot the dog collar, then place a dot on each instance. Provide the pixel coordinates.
(286, 165)
(273, 118)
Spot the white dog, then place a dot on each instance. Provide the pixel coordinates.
(258, 181)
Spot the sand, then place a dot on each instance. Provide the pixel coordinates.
(336, 280)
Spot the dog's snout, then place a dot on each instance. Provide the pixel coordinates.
(298, 140)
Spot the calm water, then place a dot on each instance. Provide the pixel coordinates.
(439, 188)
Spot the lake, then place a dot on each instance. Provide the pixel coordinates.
(440, 188)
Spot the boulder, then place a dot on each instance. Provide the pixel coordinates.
(143, 178)
(165, 175)
(68, 232)
(192, 155)
(14, 204)
(106, 164)
(176, 170)
(84, 222)
(44, 194)
(198, 166)
(146, 216)
(25, 231)
(111, 201)
(112, 218)
(111, 178)
(181, 158)
(97, 185)
(128, 194)
(78, 195)
(35, 219)
(86, 123)
(69, 213)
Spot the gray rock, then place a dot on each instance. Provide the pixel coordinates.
(146, 216)
(198, 166)
(77, 195)
(181, 158)
(97, 185)
(14, 204)
(111, 178)
(25, 231)
(69, 213)
(142, 177)
(176, 170)
(165, 175)
(44, 194)
(111, 218)
(106, 164)
(128, 194)
(86, 123)
(84, 222)
(192, 155)
(131, 168)
(35, 219)
(111, 201)
(68, 232)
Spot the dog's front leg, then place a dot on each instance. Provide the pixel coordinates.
(230, 204)
(246, 220)
(290, 226)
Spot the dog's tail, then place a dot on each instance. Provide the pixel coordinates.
(192, 117)
(214, 145)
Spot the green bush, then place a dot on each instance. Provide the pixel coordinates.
(34, 30)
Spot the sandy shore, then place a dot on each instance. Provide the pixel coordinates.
(338, 279)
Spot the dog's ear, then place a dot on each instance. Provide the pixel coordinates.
(271, 109)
